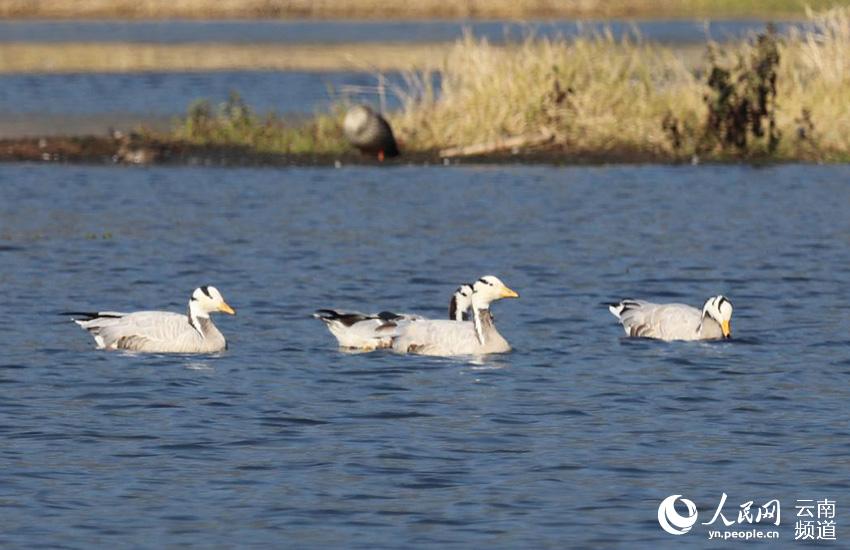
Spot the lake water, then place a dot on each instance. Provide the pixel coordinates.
(572, 440)
(89, 102)
(305, 31)
(170, 94)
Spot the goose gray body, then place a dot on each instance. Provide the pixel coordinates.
(355, 330)
(360, 331)
(155, 332)
(674, 321)
(448, 338)
(161, 331)
(451, 338)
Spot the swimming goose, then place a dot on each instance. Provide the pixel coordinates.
(161, 331)
(369, 132)
(460, 303)
(447, 338)
(675, 321)
(355, 330)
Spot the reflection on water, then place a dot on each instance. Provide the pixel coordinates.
(198, 365)
(571, 440)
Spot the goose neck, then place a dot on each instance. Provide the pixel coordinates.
(482, 319)
(198, 318)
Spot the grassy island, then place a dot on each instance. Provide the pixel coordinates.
(591, 99)
(770, 98)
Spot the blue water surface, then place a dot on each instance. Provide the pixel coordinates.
(170, 94)
(572, 440)
(330, 31)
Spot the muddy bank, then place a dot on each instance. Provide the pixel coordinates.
(139, 150)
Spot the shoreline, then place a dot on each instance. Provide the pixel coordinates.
(122, 150)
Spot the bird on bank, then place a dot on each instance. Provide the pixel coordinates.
(358, 331)
(370, 133)
(450, 338)
(643, 319)
(160, 331)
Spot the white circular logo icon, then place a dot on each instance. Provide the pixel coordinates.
(669, 518)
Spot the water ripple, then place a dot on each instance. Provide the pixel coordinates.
(571, 440)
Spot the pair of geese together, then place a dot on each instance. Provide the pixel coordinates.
(462, 333)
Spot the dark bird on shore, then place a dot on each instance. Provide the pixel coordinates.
(369, 132)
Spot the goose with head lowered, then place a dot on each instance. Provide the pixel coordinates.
(358, 331)
(370, 133)
(445, 338)
(641, 319)
(160, 331)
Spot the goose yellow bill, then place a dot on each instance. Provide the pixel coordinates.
(224, 308)
(726, 327)
(508, 293)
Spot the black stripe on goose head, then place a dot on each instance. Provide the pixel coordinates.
(206, 290)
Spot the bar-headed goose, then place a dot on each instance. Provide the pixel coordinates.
(446, 338)
(358, 331)
(161, 331)
(675, 321)
(369, 132)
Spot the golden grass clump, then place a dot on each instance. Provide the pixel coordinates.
(592, 94)
(597, 95)
(814, 85)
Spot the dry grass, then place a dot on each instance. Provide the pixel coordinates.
(404, 9)
(597, 95)
(121, 57)
(815, 77)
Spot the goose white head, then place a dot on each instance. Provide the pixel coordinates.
(488, 289)
(206, 300)
(356, 119)
(460, 303)
(719, 308)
